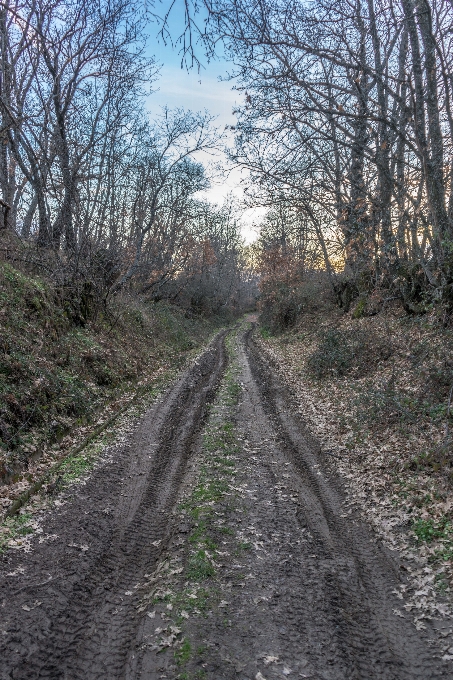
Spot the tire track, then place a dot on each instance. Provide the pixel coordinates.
(80, 618)
(315, 598)
(355, 574)
(298, 590)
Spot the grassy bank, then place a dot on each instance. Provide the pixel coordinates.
(59, 381)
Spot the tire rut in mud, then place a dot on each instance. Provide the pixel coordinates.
(298, 589)
(68, 610)
(354, 575)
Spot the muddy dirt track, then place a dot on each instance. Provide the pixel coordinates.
(317, 601)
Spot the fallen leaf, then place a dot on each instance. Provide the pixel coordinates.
(26, 608)
(398, 613)
(151, 615)
(286, 670)
(168, 641)
(270, 659)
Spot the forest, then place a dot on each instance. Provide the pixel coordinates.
(345, 130)
(224, 457)
(95, 193)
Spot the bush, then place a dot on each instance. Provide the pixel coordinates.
(341, 352)
(334, 356)
(282, 307)
(386, 405)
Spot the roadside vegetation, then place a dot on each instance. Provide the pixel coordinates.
(377, 392)
(60, 382)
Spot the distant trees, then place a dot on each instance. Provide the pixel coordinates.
(101, 197)
(211, 274)
(164, 180)
(348, 118)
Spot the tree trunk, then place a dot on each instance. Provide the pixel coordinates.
(28, 219)
(432, 162)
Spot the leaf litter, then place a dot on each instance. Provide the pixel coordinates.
(376, 459)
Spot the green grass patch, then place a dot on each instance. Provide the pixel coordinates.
(429, 530)
(200, 567)
(75, 466)
(212, 492)
(13, 528)
(440, 532)
(184, 653)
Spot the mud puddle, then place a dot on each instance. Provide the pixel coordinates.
(221, 553)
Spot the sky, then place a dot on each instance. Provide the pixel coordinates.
(198, 90)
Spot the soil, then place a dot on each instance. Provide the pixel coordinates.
(297, 588)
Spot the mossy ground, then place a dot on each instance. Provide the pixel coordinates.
(57, 379)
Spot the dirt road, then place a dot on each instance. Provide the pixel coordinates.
(217, 554)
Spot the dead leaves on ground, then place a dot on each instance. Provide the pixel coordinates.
(375, 458)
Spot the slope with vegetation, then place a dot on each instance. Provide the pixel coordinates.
(59, 380)
(112, 268)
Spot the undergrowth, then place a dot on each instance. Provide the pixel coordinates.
(341, 352)
(382, 394)
(438, 531)
(56, 377)
(15, 528)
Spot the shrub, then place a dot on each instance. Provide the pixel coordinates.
(341, 352)
(333, 356)
(282, 306)
(386, 405)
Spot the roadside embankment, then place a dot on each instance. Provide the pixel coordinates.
(62, 382)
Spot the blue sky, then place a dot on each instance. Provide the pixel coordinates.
(199, 90)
